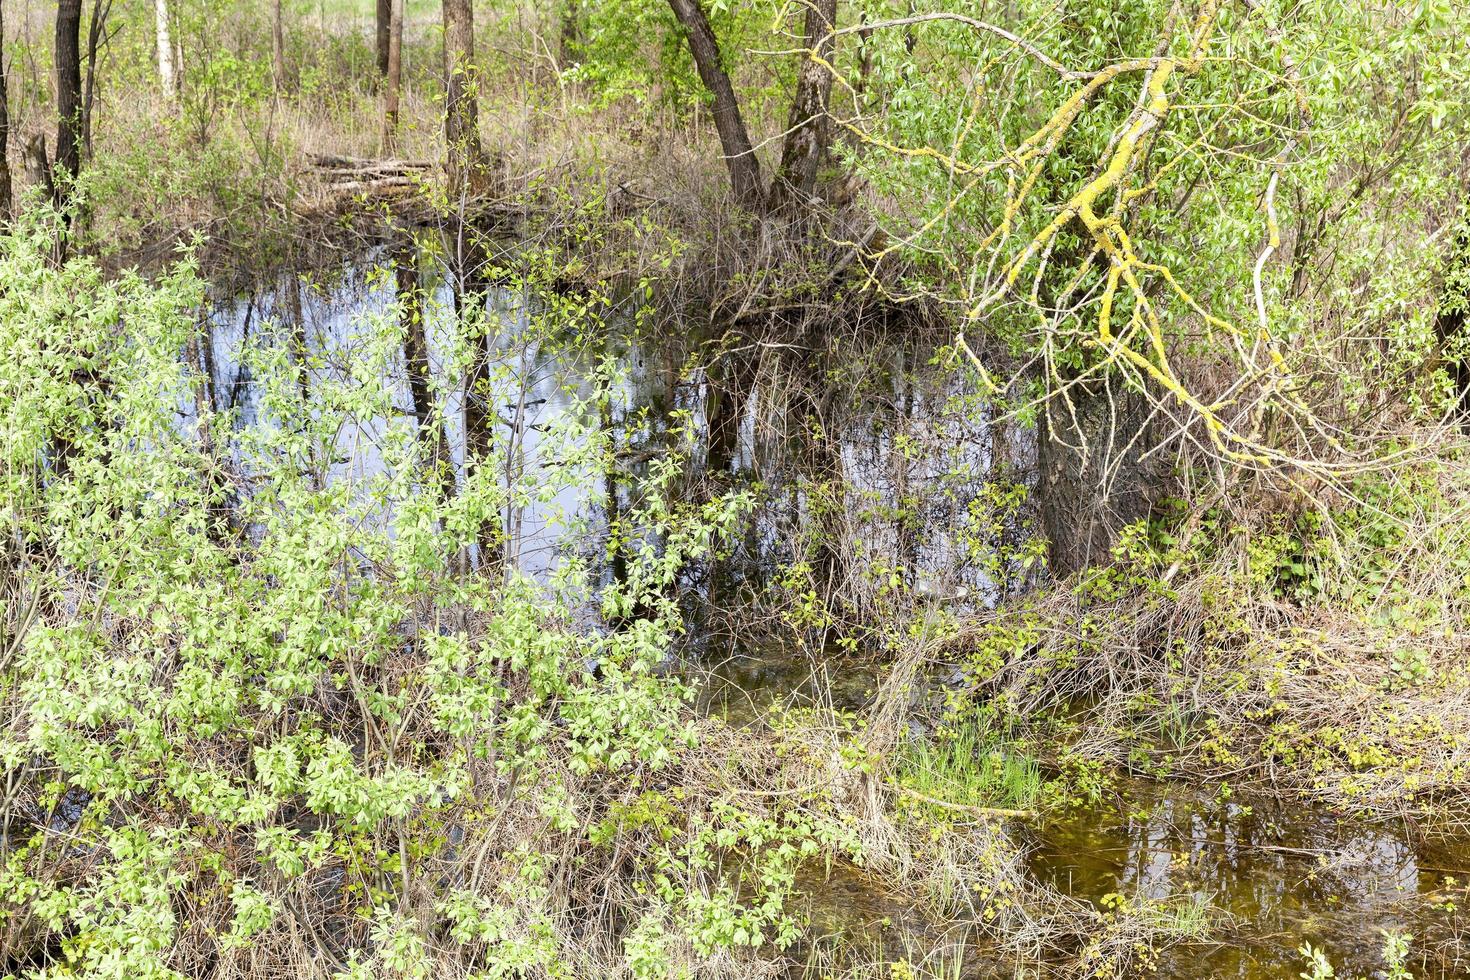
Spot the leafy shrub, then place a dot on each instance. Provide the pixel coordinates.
(248, 704)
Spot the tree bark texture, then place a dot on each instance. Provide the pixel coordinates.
(278, 45)
(807, 129)
(394, 80)
(461, 109)
(383, 20)
(166, 48)
(68, 92)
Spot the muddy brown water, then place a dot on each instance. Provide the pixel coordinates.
(1273, 874)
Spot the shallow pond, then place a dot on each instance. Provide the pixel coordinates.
(661, 398)
(1273, 875)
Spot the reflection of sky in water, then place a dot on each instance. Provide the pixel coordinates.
(912, 453)
(536, 382)
(957, 453)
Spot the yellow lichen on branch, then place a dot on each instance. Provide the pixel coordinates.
(1104, 206)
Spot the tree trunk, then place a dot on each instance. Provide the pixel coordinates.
(479, 418)
(68, 95)
(807, 129)
(461, 109)
(432, 437)
(166, 49)
(95, 34)
(745, 169)
(570, 36)
(1094, 480)
(395, 78)
(7, 210)
(278, 45)
(38, 164)
(729, 392)
(1452, 321)
(467, 261)
(383, 24)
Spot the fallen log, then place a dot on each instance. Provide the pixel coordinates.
(381, 184)
(325, 161)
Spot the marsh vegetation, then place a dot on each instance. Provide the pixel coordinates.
(666, 490)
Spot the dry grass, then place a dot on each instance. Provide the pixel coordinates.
(1333, 670)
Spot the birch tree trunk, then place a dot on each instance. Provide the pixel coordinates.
(165, 49)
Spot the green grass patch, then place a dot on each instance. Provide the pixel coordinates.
(970, 765)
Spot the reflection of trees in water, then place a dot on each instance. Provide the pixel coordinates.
(868, 456)
(1276, 868)
(879, 464)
